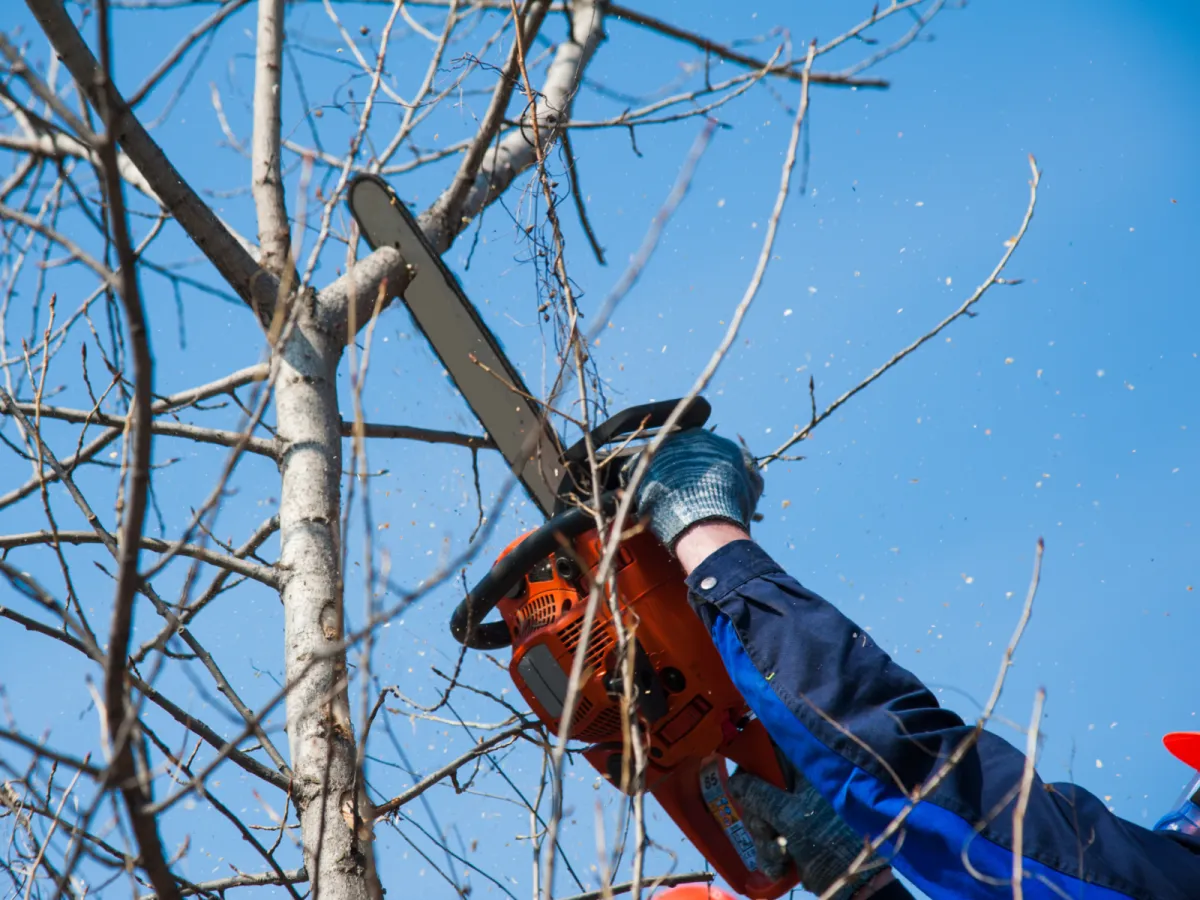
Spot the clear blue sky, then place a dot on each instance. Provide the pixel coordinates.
(1067, 408)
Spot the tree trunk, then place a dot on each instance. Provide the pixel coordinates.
(320, 732)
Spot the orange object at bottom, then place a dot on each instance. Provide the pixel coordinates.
(693, 892)
(693, 718)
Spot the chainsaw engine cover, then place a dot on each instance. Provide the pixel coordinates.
(693, 715)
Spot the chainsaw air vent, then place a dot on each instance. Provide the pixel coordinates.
(606, 725)
(581, 712)
(599, 644)
(538, 612)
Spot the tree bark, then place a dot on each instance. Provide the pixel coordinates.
(333, 821)
(320, 733)
(267, 179)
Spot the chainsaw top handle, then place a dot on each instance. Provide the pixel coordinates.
(571, 520)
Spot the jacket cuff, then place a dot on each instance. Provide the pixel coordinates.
(727, 569)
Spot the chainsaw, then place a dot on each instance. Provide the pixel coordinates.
(693, 720)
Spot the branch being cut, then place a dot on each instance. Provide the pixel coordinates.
(236, 265)
(504, 161)
(352, 298)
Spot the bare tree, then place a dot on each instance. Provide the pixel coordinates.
(96, 217)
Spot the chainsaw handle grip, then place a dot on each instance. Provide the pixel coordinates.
(636, 418)
(467, 623)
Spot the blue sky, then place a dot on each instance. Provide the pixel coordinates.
(1066, 409)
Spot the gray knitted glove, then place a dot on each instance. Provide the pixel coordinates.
(695, 476)
(800, 824)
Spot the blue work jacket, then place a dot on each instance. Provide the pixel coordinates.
(867, 733)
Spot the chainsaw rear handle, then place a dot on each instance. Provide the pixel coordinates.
(466, 624)
(639, 418)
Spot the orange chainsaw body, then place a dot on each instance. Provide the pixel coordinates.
(693, 717)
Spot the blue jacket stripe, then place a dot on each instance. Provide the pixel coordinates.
(935, 841)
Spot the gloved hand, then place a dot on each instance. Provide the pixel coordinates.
(696, 476)
(800, 824)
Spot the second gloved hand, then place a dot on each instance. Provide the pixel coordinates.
(801, 825)
(697, 476)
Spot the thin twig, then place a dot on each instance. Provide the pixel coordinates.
(441, 774)
(262, 574)
(256, 445)
(965, 309)
(258, 879)
(1027, 776)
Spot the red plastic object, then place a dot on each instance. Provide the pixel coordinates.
(694, 892)
(1184, 746)
(694, 717)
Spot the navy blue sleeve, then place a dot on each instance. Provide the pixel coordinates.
(867, 733)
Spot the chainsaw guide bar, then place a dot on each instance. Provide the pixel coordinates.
(472, 355)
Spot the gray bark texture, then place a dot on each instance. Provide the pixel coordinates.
(334, 815)
(320, 733)
(267, 178)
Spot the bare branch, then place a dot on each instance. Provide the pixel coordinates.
(649, 244)
(119, 718)
(256, 287)
(58, 145)
(209, 25)
(42, 751)
(260, 446)
(262, 574)
(964, 310)
(792, 69)
(222, 385)
(33, 224)
(220, 885)
(1027, 775)
(964, 746)
(412, 433)
(483, 747)
(267, 179)
(450, 212)
(256, 540)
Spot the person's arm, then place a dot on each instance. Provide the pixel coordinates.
(713, 484)
(867, 734)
